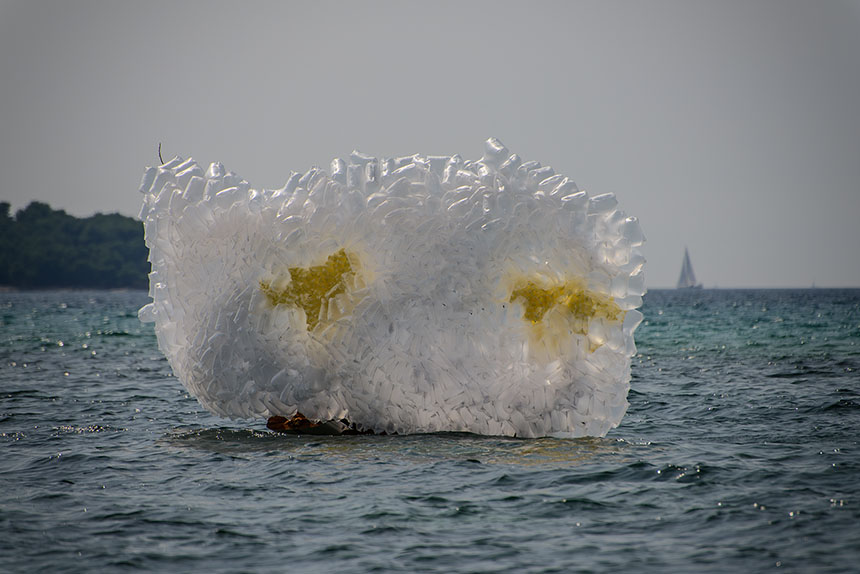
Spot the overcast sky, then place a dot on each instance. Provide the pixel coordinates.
(731, 127)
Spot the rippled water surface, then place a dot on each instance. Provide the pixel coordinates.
(739, 453)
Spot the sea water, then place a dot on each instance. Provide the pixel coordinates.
(739, 453)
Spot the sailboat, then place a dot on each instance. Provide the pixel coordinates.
(687, 280)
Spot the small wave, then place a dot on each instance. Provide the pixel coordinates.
(841, 405)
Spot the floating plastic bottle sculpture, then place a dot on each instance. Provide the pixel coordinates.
(413, 294)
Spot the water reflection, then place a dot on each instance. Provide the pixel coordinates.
(464, 447)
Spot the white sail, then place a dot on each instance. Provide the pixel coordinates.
(687, 280)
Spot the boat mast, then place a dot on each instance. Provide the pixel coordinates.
(688, 277)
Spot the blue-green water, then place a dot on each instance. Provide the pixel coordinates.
(739, 453)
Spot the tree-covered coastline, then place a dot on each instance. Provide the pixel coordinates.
(43, 248)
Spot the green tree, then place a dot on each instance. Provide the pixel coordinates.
(43, 248)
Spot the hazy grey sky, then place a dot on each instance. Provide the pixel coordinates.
(732, 127)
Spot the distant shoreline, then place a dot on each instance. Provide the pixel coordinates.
(45, 248)
(13, 289)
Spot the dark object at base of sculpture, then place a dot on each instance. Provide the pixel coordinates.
(299, 424)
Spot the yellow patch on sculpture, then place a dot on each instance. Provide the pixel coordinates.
(555, 311)
(314, 288)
